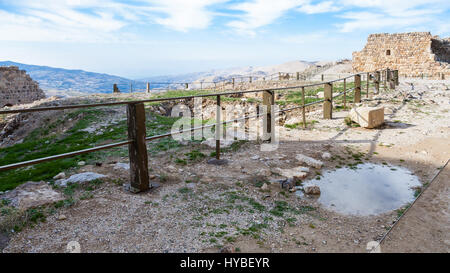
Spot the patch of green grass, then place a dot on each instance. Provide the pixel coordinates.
(350, 123)
(402, 210)
(184, 190)
(300, 124)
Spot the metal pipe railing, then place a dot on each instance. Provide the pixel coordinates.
(136, 121)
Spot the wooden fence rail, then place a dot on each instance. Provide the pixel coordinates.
(137, 149)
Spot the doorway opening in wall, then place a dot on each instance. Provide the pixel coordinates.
(388, 52)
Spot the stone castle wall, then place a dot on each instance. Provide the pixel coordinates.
(413, 54)
(17, 87)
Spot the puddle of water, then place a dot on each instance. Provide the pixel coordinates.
(369, 189)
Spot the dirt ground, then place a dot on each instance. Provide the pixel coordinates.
(425, 227)
(201, 207)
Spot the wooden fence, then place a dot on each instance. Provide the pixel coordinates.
(137, 149)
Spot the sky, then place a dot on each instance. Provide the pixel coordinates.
(143, 38)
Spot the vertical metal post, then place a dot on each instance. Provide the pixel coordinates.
(303, 108)
(328, 103)
(218, 128)
(137, 150)
(148, 87)
(357, 98)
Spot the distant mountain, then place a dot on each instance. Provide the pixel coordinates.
(226, 74)
(67, 82)
(52, 79)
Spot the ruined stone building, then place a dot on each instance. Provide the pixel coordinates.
(414, 54)
(17, 87)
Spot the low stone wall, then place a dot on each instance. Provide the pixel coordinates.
(413, 54)
(17, 87)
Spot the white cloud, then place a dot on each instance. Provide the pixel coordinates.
(184, 15)
(322, 7)
(258, 13)
(397, 14)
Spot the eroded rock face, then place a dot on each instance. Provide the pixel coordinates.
(32, 194)
(367, 117)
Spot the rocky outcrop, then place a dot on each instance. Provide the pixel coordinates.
(16, 87)
(32, 194)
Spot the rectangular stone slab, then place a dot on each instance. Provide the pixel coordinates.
(368, 117)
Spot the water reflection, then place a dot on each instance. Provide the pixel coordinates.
(367, 190)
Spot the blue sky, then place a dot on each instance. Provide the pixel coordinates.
(147, 37)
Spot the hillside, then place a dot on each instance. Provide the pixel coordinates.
(52, 79)
(69, 83)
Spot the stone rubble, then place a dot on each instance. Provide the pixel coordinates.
(309, 161)
(313, 190)
(79, 178)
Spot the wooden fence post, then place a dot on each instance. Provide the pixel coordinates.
(328, 103)
(377, 81)
(303, 108)
(148, 87)
(396, 77)
(357, 98)
(391, 80)
(345, 94)
(268, 101)
(137, 150)
(367, 84)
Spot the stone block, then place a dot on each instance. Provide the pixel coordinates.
(367, 117)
